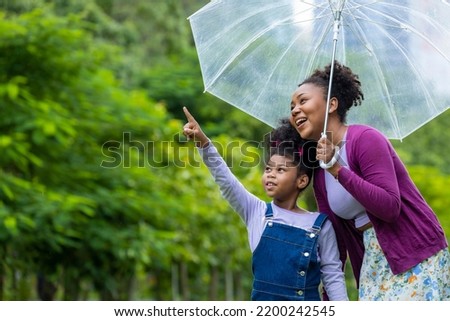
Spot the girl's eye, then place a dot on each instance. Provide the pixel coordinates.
(267, 169)
(281, 169)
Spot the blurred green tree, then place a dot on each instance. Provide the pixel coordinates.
(91, 196)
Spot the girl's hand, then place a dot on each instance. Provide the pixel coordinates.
(192, 130)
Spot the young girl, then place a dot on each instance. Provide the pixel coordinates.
(293, 249)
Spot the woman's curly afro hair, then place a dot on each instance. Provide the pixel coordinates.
(346, 86)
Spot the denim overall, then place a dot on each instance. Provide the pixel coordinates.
(285, 263)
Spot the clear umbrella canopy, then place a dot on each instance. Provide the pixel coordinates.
(254, 53)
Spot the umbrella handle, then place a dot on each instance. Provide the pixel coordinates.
(333, 160)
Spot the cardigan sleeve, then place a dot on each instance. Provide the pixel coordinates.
(376, 187)
(239, 198)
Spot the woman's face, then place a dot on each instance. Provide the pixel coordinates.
(308, 111)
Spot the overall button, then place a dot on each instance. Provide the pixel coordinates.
(306, 254)
(302, 273)
(300, 292)
(312, 235)
(270, 224)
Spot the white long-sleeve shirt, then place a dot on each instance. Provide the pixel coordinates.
(252, 210)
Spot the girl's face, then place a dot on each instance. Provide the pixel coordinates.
(308, 111)
(280, 178)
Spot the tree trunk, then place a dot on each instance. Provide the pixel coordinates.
(175, 283)
(46, 289)
(71, 285)
(14, 287)
(184, 278)
(2, 279)
(214, 284)
(240, 293)
(229, 288)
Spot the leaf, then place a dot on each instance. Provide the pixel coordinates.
(10, 223)
(12, 90)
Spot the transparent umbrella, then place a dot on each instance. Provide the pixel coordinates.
(254, 53)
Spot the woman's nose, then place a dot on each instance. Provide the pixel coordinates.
(296, 110)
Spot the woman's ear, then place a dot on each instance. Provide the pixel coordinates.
(334, 103)
(302, 181)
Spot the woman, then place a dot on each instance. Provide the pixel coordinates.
(396, 244)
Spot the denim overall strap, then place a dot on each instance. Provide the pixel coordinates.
(269, 214)
(269, 210)
(317, 226)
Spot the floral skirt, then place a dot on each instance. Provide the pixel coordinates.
(427, 281)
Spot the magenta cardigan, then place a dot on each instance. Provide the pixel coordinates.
(407, 228)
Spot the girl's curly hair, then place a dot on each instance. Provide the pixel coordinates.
(286, 141)
(346, 86)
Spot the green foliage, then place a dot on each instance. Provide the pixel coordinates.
(90, 191)
(434, 187)
(426, 145)
(60, 105)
